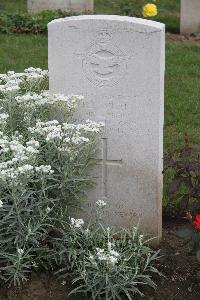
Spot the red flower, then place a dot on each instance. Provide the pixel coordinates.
(196, 222)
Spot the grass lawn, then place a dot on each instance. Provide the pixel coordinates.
(20, 51)
(13, 6)
(169, 10)
(182, 93)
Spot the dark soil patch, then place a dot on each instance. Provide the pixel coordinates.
(177, 264)
(182, 38)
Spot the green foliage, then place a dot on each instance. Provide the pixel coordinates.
(25, 23)
(184, 182)
(131, 7)
(105, 264)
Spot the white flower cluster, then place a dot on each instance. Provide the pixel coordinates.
(51, 130)
(33, 143)
(19, 151)
(35, 74)
(46, 98)
(110, 256)
(90, 126)
(14, 172)
(68, 135)
(20, 158)
(11, 82)
(10, 87)
(141, 238)
(11, 75)
(1, 203)
(48, 209)
(20, 252)
(101, 203)
(76, 223)
(44, 169)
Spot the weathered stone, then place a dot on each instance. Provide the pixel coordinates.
(190, 16)
(117, 64)
(35, 6)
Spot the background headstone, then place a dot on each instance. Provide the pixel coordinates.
(117, 64)
(190, 16)
(35, 6)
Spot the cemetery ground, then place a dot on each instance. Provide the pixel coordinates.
(182, 91)
(182, 110)
(177, 264)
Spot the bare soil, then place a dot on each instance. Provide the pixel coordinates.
(178, 265)
(183, 38)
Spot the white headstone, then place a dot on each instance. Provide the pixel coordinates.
(117, 64)
(190, 16)
(35, 6)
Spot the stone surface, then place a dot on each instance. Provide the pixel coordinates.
(35, 6)
(117, 63)
(190, 16)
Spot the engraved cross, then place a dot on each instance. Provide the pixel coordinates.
(105, 162)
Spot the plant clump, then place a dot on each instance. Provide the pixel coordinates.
(182, 167)
(44, 168)
(105, 263)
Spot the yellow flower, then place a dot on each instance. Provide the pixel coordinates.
(149, 10)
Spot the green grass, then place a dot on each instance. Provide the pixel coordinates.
(13, 6)
(182, 93)
(21, 51)
(169, 10)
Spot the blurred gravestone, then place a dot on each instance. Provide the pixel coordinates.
(117, 64)
(35, 6)
(190, 16)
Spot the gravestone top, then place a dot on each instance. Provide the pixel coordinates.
(117, 64)
(190, 16)
(148, 24)
(35, 6)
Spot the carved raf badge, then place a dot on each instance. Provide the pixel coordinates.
(104, 63)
